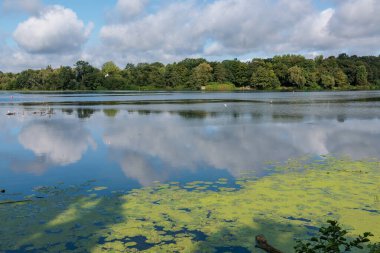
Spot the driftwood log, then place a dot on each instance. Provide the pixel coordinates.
(262, 243)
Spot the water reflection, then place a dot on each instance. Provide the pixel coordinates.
(157, 148)
(136, 143)
(54, 142)
(110, 112)
(84, 113)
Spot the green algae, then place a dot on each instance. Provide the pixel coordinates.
(100, 188)
(169, 217)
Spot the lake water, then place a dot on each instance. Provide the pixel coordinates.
(127, 140)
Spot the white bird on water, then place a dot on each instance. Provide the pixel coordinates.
(225, 105)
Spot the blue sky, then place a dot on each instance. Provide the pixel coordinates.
(37, 33)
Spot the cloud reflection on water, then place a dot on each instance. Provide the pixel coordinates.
(155, 148)
(54, 142)
(160, 147)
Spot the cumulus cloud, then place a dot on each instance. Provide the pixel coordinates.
(165, 31)
(313, 33)
(54, 30)
(14, 60)
(189, 28)
(28, 6)
(240, 27)
(351, 26)
(356, 19)
(128, 9)
(148, 31)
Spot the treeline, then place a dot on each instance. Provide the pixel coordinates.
(280, 72)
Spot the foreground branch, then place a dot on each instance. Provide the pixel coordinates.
(262, 243)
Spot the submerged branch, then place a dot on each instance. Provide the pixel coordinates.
(262, 243)
(14, 201)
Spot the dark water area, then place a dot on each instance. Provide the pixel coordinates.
(128, 140)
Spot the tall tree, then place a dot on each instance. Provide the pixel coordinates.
(176, 75)
(219, 73)
(341, 79)
(264, 78)
(297, 77)
(361, 76)
(66, 78)
(201, 75)
(327, 80)
(237, 71)
(83, 68)
(110, 68)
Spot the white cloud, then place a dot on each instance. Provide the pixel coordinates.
(15, 60)
(188, 28)
(148, 31)
(241, 27)
(55, 30)
(352, 26)
(356, 19)
(169, 30)
(313, 33)
(128, 9)
(29, 6)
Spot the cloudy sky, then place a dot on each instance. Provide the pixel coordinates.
(37, 33)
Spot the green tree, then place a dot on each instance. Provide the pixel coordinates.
(361, 76)
(201, 75)
(297, 77)
(112, 82)
(7, 80)
(66, 78)
(348, 66)
(237, 72)
(176, 75)
(110, 68)
(49, 79)
(312, 79)
(327, 81)
(264, 78)
(145, 74)
(290, 70)
(190, 63)
(281, 71)
(318, 60)
(28, 79)
(83, 68)
(341, 79)
(219, 73)
(93, 80)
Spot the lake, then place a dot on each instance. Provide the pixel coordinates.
(124, 141)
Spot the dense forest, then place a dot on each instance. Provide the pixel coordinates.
(286, 72)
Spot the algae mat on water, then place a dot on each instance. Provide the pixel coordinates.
(288, 204)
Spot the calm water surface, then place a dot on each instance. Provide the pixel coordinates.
(127, 140)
